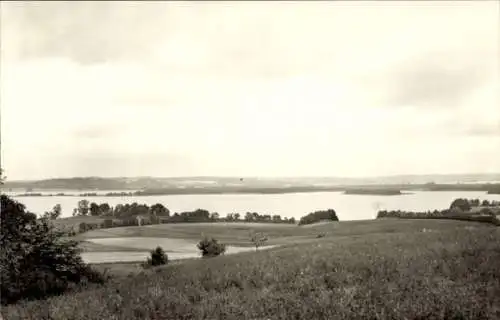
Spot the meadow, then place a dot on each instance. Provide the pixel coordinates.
(382, 269)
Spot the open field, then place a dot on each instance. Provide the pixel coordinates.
(238, 233)
(130, 245)
(386, 269)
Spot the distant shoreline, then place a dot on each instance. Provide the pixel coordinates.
(375, 190)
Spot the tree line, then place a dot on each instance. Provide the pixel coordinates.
(468, 204)
(458, 206)
(127, 215)
(136, 214)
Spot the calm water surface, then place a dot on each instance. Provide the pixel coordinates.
(348, 207)
(127, 256)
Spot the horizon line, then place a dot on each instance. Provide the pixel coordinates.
(256, 177)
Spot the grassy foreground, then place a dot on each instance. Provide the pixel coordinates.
(413, 269)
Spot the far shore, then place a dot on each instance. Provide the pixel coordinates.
(374, 192)
(348, 190)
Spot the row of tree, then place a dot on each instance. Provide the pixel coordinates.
(412, 214)
(458, 206)
(158, 213)
(86, 208)
(467, 204)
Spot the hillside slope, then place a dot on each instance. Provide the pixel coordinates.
(448, 270)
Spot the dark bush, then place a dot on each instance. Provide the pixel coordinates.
(35, 259)
(210, 247)
(158, 257)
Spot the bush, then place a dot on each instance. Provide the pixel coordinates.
(158, 257)
(210, 247)
(35, 260)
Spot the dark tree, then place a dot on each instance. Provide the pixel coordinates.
(36, 260)
(159, 210)
(54, 213)
(94, 209)
(461, 204)
(83, 207)
(105, 209)
(214, 216)
(249, 217)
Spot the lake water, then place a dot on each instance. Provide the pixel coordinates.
(348, 207)
(169, 245)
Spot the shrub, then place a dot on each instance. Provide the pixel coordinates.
(35, 259)
(158, 257)
(210, 247)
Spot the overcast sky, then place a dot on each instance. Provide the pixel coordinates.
(249, 89)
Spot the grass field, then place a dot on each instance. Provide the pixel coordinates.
(382, 269)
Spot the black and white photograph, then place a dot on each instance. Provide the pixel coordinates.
(253, 160)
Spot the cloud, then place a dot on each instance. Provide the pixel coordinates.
(436, 81)
(248, 87)
(87, 32)
(126, 164)
(98, 131)
(483, 131)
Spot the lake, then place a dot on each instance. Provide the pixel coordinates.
(175, 248)
(348, 207)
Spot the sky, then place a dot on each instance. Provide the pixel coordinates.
(249, 88)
